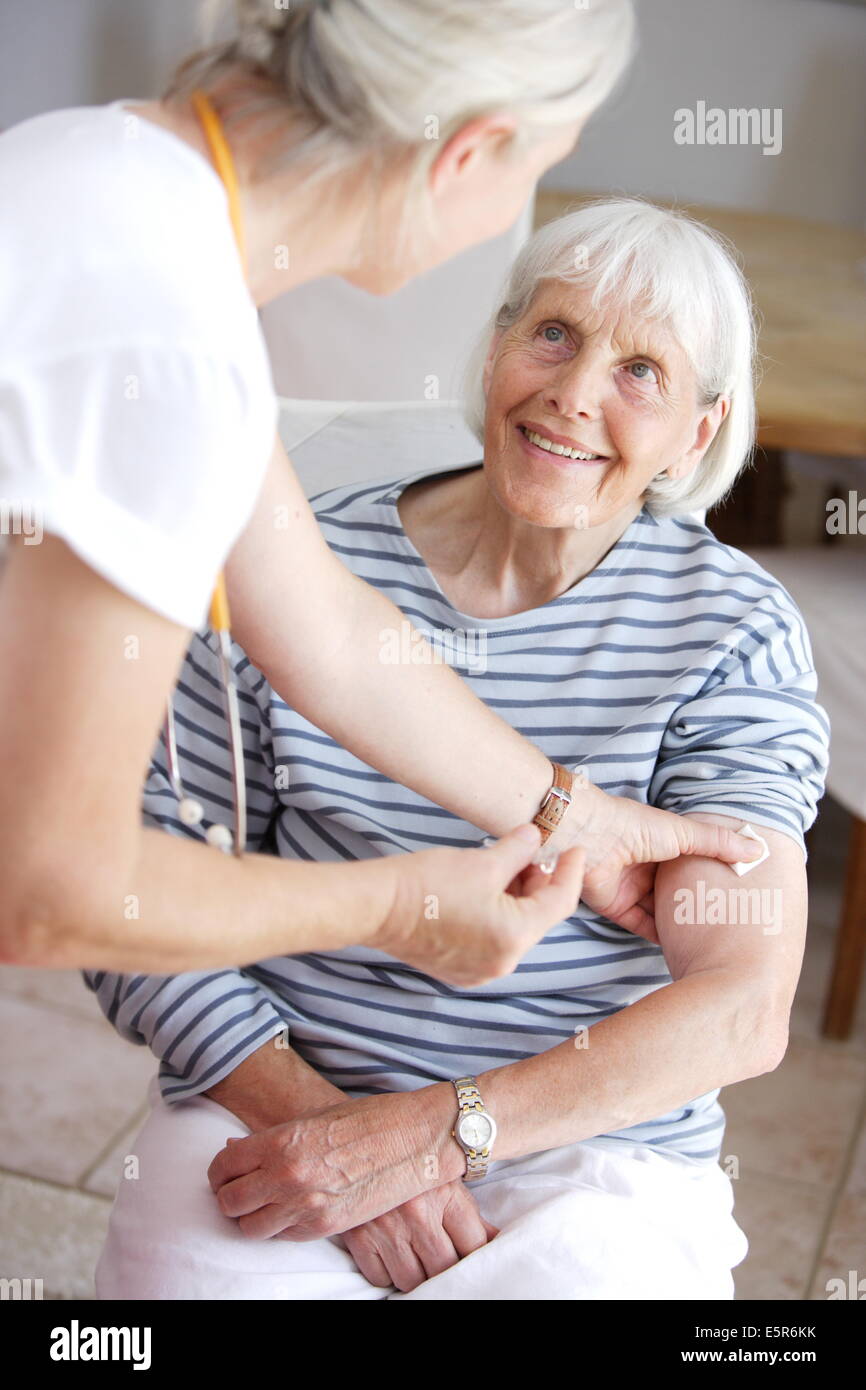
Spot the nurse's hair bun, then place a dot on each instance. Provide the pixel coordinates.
(398, 73)
(260, 25)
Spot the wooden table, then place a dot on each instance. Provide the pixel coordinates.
(809, 284)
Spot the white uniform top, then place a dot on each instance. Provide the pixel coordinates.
(137, 407)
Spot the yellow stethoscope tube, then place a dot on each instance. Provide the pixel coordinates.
(190, 810)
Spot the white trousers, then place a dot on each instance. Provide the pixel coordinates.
(600, 1219)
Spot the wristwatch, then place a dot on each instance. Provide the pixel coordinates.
(556, 802)
(474, 1129)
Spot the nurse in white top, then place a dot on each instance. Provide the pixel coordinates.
(138, 447)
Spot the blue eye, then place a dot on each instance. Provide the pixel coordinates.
(551, 328)
(647, 373)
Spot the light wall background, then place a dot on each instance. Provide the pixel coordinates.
(806, 56)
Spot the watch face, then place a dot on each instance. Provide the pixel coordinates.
(475, 1130)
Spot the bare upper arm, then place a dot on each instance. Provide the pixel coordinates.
(83, 684)
(288, 591)
(708, 918)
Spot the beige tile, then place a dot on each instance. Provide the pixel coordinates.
(62, 989)
(796, 1122)
(844, 1255)
(845, 1248)
(69, 1087)
(855, 1179)
(783, 1221)
(103, 1179)
(52, 1234)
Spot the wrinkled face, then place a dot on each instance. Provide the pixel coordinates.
(612, 385)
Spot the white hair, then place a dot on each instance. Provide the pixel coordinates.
(335, 79)
(670, 269)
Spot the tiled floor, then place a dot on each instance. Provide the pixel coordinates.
(72, 1094)
(799, 1132)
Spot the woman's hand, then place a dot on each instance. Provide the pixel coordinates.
(467, 916)
(423, 1237)
(625, 840)
(627, 900)
(331, 1170)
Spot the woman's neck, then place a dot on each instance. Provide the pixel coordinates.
(290, 237)
(489, 563)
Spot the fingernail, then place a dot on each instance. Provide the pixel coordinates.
(751, 847)
(528, 832)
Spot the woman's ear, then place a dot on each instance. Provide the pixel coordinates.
(708, 427)
(480, 138)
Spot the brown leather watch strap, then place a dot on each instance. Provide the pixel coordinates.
(555, 803)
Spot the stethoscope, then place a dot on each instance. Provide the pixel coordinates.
(191, 811)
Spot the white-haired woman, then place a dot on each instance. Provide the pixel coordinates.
(137, 422)
(617, 396)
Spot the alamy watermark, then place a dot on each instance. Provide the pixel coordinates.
(729, 907)
(737, 126)
(77, 1343)
(21, 519)
(410, 646)
(846, 516)
(20, 1290)
(853, 1287)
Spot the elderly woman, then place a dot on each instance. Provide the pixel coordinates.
(556, 1133)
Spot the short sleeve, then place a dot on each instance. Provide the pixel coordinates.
(753, 742)
(145, 459)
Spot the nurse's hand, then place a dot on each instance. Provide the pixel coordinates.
(468, 916)
(331, 1170)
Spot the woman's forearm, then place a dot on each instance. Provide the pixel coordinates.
(649, 1058)
(153, 916)
(272, 1085)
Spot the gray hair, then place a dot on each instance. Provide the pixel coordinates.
(668, 268)
(335, 79)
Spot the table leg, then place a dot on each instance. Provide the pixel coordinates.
(850, 954)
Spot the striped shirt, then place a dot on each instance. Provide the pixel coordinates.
(677, 672)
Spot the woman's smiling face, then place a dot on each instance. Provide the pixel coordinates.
(612, 384)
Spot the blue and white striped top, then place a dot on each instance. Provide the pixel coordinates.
(677, 672)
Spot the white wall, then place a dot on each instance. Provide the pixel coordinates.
(56, 53)
(806, 56)
(409, 346)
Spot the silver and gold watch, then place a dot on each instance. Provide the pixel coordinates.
(474, 1129)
